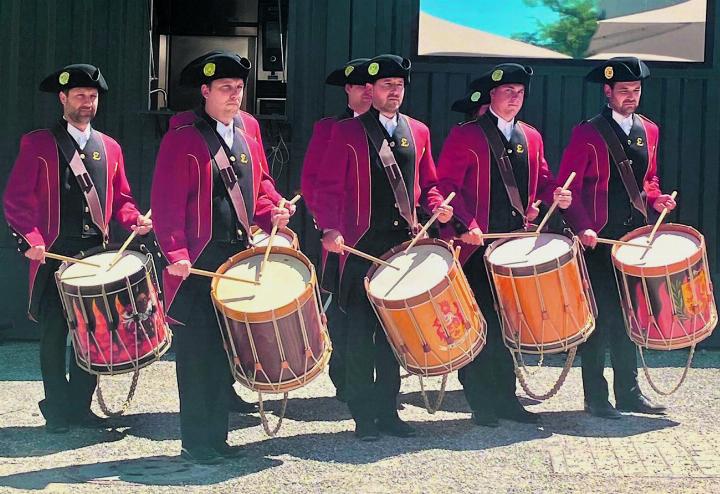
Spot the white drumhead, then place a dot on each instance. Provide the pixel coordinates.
(667, 248)
(530, 251)
(83, 275)
(282, 239)
(419, 270)
(284, 279)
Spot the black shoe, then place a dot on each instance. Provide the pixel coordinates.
(56, 426)
(201, 455)
(604, 410)
(237, 404)
(641, 405)
(395, 427)
(367, 431)
(227, 451)
(88, 420)
(485, 418)
(513, 410)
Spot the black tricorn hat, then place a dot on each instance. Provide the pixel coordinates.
(347, 74)
(75, 75)
(476, 96)
(217, 64)
(383, 66)
(619, 69)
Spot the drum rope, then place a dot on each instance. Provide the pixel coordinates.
(558, 384)
(263, 416)
(126, 405)
(682, 378)
(431, 409)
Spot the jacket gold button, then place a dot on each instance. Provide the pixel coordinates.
(514, 213)
(396, 223)
(232, 158)
(86, 227)
(392, 144)
(82, 155)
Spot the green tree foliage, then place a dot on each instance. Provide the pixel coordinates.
(571, 34)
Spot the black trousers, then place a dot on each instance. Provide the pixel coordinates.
(337, 327)
(64, 398)
(489, 380)
(202, 367)
(372, 373)
(609, 333)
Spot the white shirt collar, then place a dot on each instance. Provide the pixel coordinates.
(80, 136)
(355, 114)
(389, 123)
(227, 132)
(505, 126)
(625, 123)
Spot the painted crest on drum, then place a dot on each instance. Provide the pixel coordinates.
(670, 307)
(452, 329)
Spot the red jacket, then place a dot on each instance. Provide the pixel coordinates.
(312, 163)
(32, 195)
(342, 191)
(587, 155)
(181, 198)
(245, 121)
(464, 168)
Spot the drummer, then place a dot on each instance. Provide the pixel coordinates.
(607, 205)
(374, 219)
(48, 207)
(358, 102)
(202, 217)
(489, 201)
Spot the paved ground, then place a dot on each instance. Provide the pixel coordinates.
(315, 450)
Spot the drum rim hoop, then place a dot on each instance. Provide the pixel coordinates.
(542, 268)
(266, 315)
(672, 268)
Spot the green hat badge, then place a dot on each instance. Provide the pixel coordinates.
(64, 78)
(209, 69)
(475, 97)
(373, 68)
(348, 70)
(497, 75)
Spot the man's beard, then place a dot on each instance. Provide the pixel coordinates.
(82, 117)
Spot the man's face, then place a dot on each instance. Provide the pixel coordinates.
(388, 94)
(507, 100)
(80, 104)
(359, 97)
(624, 97)
(223, 96)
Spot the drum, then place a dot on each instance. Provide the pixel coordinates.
(284, 237)
(272, 331)
(115, 317)
(426, 308)
(666, 292)
(542, 295)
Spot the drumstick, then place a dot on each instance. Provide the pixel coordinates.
(619, 242)
(210, 274)
(368, 257)
(125, 244)
(272, 235)
(555, 203)
(659, 220)
(430, 221)
(70, 259)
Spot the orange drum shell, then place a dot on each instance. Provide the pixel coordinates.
(397, 316)
(527, 320)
